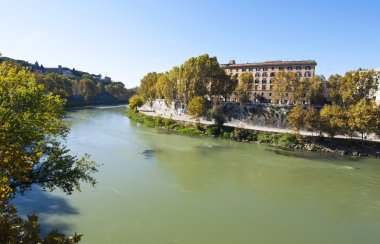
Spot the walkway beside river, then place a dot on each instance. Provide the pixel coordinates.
(242, 125)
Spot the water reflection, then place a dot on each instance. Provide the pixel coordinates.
(47, 207)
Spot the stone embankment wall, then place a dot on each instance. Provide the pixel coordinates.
(254, 114)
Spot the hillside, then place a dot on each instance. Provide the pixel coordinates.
(79, 88)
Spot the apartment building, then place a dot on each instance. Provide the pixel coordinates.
(265, 72)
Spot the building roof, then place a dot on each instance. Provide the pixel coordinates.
(274, 63)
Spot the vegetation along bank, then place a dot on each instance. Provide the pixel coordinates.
(349, 147)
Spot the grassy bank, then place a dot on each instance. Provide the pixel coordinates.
(283, 140)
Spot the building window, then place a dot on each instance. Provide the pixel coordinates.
(286, 94)
(265, 74)
(270, 94)
(298, 67)
(257, 69)
(307, 67)
(307, 74)
(264, 87)
(299, 74)
(270, 87)
(257, 81)
(230, 70)
(265, 68)
(257, 75)
(250, 69)
(290, 68)
(264, 81)
(256, 88)
(281, 68)
(255, 93)
(272, 74)
(271, 81)
(262, 94)
(243, 70)
(272, 68)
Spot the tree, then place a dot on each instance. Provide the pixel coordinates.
(317, 90)
(86, 88)
(362, 117)
(135, 102)
(311, 119)
(356, 85)
(283, 83)
(301, 90)
(147, 89)
(244, 87)
(296, 118)
(333, 86)
(31, 149)
(200, 76)
(55, 83)
(218, 115)
(333, 119)
(197, 107)
(166, 87)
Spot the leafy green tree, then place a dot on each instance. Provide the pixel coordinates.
(31, 149)
(116, 89)
(197, 107)
(55, 83)
(86, 88)
(218, 115)
(244, 88)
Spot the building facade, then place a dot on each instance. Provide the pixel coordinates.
(264, 74)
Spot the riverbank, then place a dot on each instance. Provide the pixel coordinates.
(341, 146)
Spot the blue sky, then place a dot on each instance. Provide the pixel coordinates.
(127, 39)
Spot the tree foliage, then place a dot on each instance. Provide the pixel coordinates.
(244, 88)
(296, 118)
(197, 107)
(31, 149)
(135, 102)
(283, 83)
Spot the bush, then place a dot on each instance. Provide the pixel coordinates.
(213, 130)
(240, 134)
(168, 122)
(190, 130)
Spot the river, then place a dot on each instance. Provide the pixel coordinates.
(160, 187)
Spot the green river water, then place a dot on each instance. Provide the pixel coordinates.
(160, 187)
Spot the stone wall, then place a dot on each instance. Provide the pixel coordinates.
(254, 114)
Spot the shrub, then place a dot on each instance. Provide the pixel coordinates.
(190, 130)
(213, 130)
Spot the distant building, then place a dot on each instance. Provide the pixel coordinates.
(265, 72)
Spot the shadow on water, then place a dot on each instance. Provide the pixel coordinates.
(310, 155)
(46, 205)
(149, 153)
